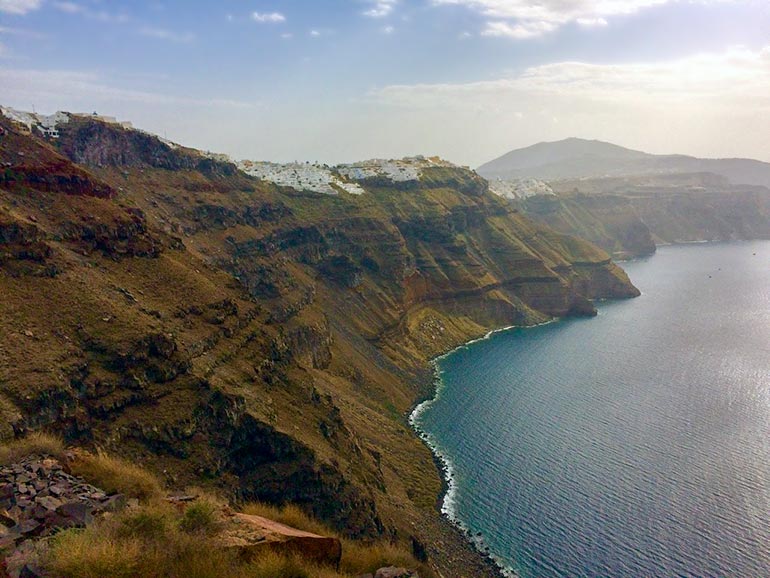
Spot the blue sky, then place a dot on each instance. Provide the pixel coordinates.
(341, 80)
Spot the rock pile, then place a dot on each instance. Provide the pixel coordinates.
(37, 497)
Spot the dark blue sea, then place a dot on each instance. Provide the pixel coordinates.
(636, 443)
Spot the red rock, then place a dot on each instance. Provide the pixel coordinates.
(251, 534)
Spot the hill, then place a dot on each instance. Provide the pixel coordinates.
(628, 201)
(576, 158)
(262, 340)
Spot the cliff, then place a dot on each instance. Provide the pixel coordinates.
(225, 331)
(628, 216)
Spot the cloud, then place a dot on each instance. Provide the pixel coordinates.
(388, 30)
(712, 104)
(169, 35)
(717, 78)
(268, 17)
(57, 89)
(521, 19)
(21, 32)
(101, 15)
(518, 31)
(380, 8)
(19, 6)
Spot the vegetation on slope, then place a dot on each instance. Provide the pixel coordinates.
(260, 342)
(158, 537)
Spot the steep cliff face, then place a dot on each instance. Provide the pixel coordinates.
(612, 222)
(229, 332)
(628, 216)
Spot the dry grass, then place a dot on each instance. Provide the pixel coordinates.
(114, 475)
(33, 444)
(87, 554)
(157, 540)
(272, 565)
(291, 515)
(360, 558)
(200, 518)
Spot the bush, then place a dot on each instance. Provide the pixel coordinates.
(146, 524)
(114, 475)
(361, 558)
(86, 554)
(34, 444)
(200, 518)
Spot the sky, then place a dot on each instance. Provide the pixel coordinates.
(345, 80)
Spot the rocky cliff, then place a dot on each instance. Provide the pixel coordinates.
(225, 331)
(628, 216)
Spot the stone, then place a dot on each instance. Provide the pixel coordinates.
(394, 572)
(114, 503)
(6, 491)
(49, 503)
(6, 519)
(56, 490)
(75, 513)
(29, 527)
(250, 535)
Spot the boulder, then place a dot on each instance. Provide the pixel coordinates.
(394, 572)
(251, 534)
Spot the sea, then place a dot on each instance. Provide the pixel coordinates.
(635, 443)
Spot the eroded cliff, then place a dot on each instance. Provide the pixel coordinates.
(225, 331)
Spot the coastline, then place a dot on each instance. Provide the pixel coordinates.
(445, 502)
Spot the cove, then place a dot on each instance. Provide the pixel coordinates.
(636, 443)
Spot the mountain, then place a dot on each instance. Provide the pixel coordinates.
(627, 202)
(575, 158)
(228, 331)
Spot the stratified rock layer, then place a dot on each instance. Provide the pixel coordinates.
(271, 342)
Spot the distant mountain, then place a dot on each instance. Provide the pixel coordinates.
(579, 158)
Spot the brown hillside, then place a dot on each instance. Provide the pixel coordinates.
(227, 332)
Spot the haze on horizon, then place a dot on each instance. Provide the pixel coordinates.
(344, 80)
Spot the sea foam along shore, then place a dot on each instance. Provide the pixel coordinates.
(448, 502)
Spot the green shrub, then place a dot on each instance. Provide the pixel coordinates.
(200, 518)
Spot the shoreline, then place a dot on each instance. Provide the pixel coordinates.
(445, 501)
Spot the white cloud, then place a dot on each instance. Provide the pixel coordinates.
(715, 104)
(101, 15)
(64, 89)
(19, 6)
(735, 73)
(521, 19)
(388, 30)
(380, 8)
(268, 17)
(170, 35)
(21, 32)
(518, 31)
(315, 33)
